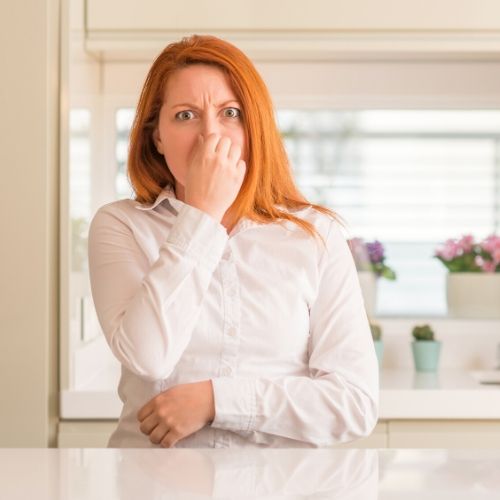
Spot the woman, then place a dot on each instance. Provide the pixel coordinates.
(232, 304)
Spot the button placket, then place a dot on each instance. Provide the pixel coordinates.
(231, 300)
(231, 324)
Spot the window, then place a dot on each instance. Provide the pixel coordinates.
(410, 179)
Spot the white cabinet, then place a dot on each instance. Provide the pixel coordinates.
(88, 434)
(444, 434)
(377, 439)
(234, 15)
(387, 434)
(326, 29)
(85, 434)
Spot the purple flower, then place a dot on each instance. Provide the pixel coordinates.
(370, 257)
(375, 251)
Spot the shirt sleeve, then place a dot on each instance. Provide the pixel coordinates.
(339, 401)
(148, 311)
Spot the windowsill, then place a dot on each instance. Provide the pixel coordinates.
(467, 345)
(430, 317)
(404, 394)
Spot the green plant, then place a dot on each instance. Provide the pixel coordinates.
(376, 331)
(423, 332)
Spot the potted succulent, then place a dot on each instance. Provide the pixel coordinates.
(369, 258)
(376, 330)
(473, 280)
(425, 349)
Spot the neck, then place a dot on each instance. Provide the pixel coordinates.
(226, 219)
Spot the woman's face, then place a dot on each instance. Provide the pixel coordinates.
(198, 99)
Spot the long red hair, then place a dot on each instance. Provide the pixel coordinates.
(268, 181)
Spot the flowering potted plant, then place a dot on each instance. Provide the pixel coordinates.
(369, 258)
(376, 330)
(473, 281)
(425, 349)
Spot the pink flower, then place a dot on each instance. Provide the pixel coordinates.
(465, 255)
(449, 250)
(466, 243)
(486, 265)
(491, 244)
(496, 255)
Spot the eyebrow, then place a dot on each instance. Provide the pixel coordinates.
(187, 104)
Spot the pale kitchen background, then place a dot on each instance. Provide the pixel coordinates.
(391, 114)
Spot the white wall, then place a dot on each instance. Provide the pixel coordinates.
(29, 229)
(29, 201)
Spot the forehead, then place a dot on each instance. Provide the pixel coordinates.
(198, 81)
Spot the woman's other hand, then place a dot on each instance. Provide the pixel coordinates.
(215, 174)
(177, 412)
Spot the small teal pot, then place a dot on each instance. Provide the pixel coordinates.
(379, 349)
(426, 354)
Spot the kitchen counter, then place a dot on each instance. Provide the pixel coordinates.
(355, 474)
(404, 394)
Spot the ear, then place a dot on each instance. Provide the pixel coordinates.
(157, 141)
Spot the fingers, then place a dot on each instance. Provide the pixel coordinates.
(223, 146)
(241, 166)
(210, 143)
(169, 439)
(158, 433)
(149, 423)
(234, 153)
(145, 411)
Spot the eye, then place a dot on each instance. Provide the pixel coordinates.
(232, 112)
(183, 115)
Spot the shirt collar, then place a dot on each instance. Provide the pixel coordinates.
(168, 193)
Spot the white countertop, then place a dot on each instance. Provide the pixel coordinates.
(404, 394)
(153, 474)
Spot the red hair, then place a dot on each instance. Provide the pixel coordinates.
(268, 180)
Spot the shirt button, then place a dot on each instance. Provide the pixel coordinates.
(226, 371)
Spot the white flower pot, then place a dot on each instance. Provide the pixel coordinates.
(368, 283)
(379, 350)
(473, 295)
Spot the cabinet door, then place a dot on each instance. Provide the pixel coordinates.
(443, 434)
(377, 439)
(264, 16)
(85, 434)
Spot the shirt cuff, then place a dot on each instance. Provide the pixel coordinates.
(198, 234)
(235, 403)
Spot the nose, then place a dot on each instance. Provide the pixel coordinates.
(210, 125)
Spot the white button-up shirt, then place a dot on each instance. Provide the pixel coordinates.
(272, 318)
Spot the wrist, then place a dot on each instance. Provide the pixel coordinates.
(213, 213)
(211, 401)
